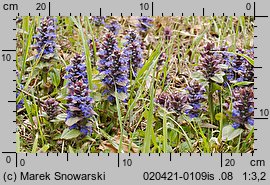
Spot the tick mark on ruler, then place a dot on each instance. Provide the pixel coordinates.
(152, 8)
(221, 159)
(9, 50)
(118, 160)
(49, 8)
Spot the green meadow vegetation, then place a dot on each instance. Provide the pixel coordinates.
(135, 84)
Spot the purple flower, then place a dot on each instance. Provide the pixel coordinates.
(167, 33)
(133, 51)
(78, 99)
(144, 23)
(209, 62)
(243, 107)
(114, 27)
(172, 101)
(98, 20)
(46, 37)
(239, 68)
(113, 66)
(195, 97)
(51, 108)
(20, 104)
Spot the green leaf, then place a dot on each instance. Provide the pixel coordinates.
(61, 117)
(48, 56)
(70, 149)
(197, 75)
(242, 83)
(250, 60)
(44, 148)
(217, 78)
(72, 121)
(35, 145)
(219, 116)
(70, 134)
(216, 87)
(229, 133)
(31, 58)
(122, 96)
(55, 76)
(223, 66)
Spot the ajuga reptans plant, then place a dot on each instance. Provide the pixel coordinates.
(243, 107)
(45, 38)
(79, 102)
(113, 66)
(133, 51)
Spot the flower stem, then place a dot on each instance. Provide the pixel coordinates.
(210, 102)
(44, 78)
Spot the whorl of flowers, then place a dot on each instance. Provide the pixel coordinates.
(209, 63)
(51, 108)
(20, 104)
(114, 27)
(114, 66)
(243, 107)
(98, 20)
(46, 37)
(133, 50)
(144, 23)
(172, 101)
(239, 69)
(79, 101)
(196, 95)
(167, 33)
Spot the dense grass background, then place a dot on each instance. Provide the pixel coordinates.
(140, 125)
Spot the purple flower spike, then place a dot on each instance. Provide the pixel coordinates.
(133, 50)
(98, 20)
(46, 37)
(78, 99)
(51, 108)
(113, 66)
(243, 107)
(145, 23)
(114, 27)
(209, 62)
(196, 95)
